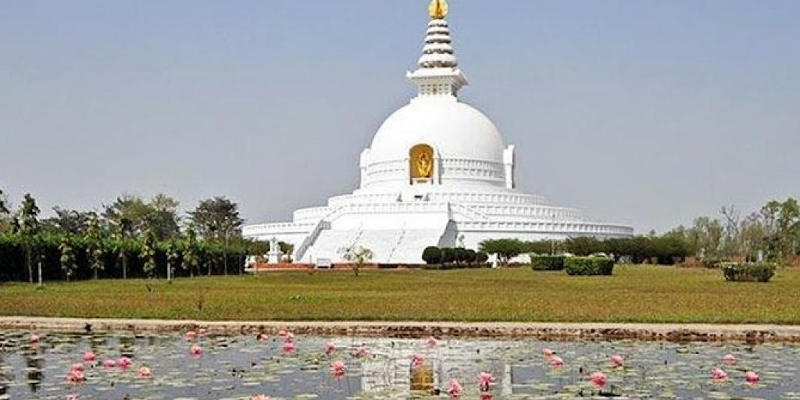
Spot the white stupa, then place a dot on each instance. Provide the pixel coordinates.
(437, 173)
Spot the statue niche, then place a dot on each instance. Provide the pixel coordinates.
(421, 163)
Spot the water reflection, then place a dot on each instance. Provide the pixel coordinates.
(238, 367)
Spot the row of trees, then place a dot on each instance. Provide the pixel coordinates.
(129, 237)
(772, 233)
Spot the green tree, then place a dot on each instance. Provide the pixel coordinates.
(67, 222)
(5, 213)
(28, 229)
(218, 219)
(191, 254)
(149, 254)
(504, 249)
(68, 261)
(123, 230)
(357, 256)
(94, 244)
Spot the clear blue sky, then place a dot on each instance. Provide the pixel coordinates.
(643, 112)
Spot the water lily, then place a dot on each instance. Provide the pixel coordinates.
(190, 336)
(330, 348)
(260, 397)
(285, 334)
(432, 342)
(145, 372)
(548, 352)
(617, 361)
(486, 396)
(598, 379)
(33, 338)
(360, 351)
(124, 362)
(262, 337)
(729, 359)
(417, 360)
(201, 332)
(454, 389)
(751, 377)
(109, 363)
(718, 374)
(89, 356)
(76, 376)
(72, 397)
(289, 347)
(485, 379)
(556, 362)
(76, 367)
(338, 369)
(196, 351)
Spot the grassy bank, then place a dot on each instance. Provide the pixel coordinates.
(633, 294)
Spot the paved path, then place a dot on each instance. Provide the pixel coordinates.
(564, 331)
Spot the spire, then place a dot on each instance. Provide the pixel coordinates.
(438, 9)
(438, 72)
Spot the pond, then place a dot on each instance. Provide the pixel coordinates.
(174, 366)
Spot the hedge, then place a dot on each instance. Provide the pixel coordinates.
(547, 263)
(749, 272)
(589, 265)
(45, 248)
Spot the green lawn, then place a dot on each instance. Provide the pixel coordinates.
(633, 294)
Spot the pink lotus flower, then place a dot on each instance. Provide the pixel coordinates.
(72, 397)
(751, 377)
(417, 360)
(285, 334)
(617, 361)
(598, 379)
(196, 351)
(729, 359)
(718, 374)
(109, 363)
(548, 352)
(432, 342)
(76, 376)
(338, 369)
(190, 336)
(124, 362)
(33, 339)
(485, 380)
(454, 389)
(145, 372)
(289, 347)
(556, 362)
(360, 352)
(260, 397)
(330, 348)
(262, 337)
(76, 367)
(89, 356)
(486, 396)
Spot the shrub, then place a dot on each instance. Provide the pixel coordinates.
(589, 266)
(749, 272)
(481, 257)
(714, 262)
(432, 255)
(547, 263)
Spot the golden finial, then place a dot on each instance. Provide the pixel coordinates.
(438, 9)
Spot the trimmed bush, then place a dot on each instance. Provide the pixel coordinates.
(749, 272)
(432, 255)
(547, 263)
(589, 266)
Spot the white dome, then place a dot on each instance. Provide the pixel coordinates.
(455, 130)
